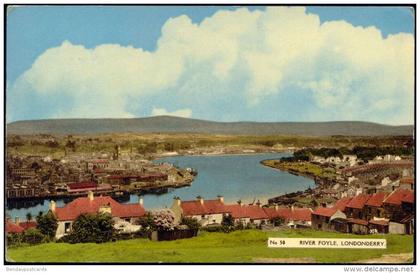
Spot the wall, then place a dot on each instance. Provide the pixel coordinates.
(396, 228)
(60, 229)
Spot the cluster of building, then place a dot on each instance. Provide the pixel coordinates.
(73, 175)
(354, 177)
(380, 212)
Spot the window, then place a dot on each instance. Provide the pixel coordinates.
(378, 213)
(326, 220)
(319, 226)
(67, 227)
(203, 216)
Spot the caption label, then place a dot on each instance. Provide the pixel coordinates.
(327, 243)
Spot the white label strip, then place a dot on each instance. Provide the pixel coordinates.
(327, 243)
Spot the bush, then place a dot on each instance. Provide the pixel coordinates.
(13, 239)
(192, 223)
(96, 228)
(33, 236)
(147, 222)
(278, 221)
(214, 228)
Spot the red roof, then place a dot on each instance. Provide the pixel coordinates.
(301, 214)
(28, 225)
(237, 211)
(256, 212)
(399, 195)
(195, 207)
(13, 228)
(83, 205)
(376, 199)
(272, 213)
(342, 203)
(82, 185)
(359, 201)
(328, 212)
(408, 198)
(407, 180)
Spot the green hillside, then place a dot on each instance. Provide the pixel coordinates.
(247, 246)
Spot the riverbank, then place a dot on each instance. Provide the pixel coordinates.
(323, 178)
(247, 246)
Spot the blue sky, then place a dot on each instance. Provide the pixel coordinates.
(218, 63)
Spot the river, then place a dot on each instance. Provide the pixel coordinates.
(232, 176)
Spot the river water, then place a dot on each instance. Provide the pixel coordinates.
(232, 176)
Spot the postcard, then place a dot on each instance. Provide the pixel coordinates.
(209, 134)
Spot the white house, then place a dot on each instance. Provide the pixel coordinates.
(91, 204)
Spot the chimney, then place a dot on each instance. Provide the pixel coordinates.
(276, 207)
(52, 206)
(199, 198)
(177, 201)
(17, 220)
(140, 201)
(292, 208)
(259, 203)
(90, 195)
(221, 199)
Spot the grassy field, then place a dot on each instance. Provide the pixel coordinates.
(301, 168)
(238, 247)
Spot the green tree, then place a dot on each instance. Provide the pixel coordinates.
(96, 228)
(147, 222)
(228, 223)
(47, 224)
(29, 217)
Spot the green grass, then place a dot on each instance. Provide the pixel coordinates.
(301, 168)
(237, 247)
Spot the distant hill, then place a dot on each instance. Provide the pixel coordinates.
(167, 124)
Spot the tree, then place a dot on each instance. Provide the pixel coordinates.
(28, 217)
(277, 221)
(71, 144)
(164, 219)
(47, 224)
(228, 223)
(147, 222)
(96, 228)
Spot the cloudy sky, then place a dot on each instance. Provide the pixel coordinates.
(215, 63)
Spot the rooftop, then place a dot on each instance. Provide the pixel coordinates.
(358, 202)
(399, 195)
(84, 205)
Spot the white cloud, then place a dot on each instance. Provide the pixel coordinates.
(349, 71)
(184, 113)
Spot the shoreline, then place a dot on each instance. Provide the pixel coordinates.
(319, 183)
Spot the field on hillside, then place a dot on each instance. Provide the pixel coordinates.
(248, 246)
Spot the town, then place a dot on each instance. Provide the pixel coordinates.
(376, 196)
(34, 176)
